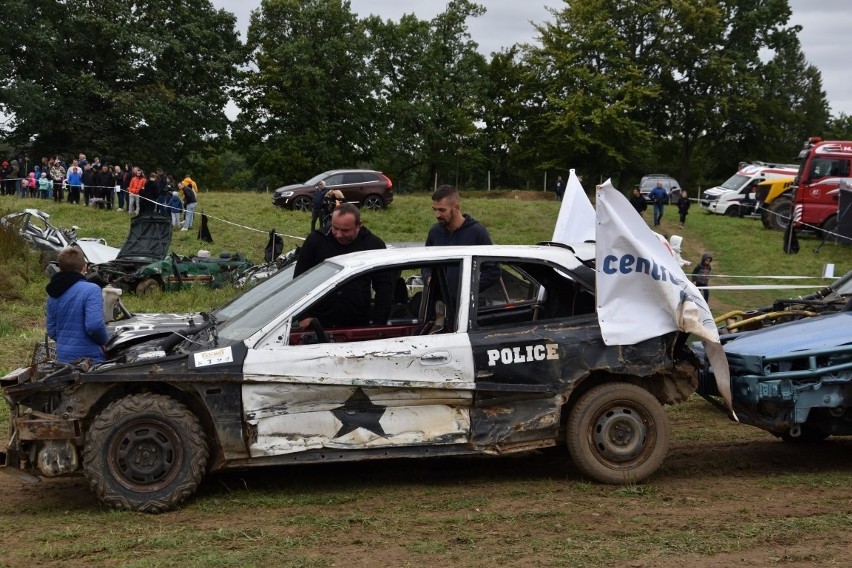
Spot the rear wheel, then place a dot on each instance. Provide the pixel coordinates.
(374, 202)
(829, 230)
(302, 203)
(779, 212)
(145, 452)
(618, 433)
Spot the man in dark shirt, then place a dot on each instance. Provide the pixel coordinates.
(455, 228)
(349, 304)
(638, 201)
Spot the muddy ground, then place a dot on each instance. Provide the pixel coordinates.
(726, 495)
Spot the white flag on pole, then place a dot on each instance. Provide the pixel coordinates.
(576, 221)
(642, 291)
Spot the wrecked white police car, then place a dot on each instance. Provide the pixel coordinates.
(516, 366)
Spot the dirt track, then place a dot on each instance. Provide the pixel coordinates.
(755, 501)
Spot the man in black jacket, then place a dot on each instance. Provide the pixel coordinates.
(638, 201)
(457, 228)
(350, 304)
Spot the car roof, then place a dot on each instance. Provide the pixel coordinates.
(349, 171)
(570, 256)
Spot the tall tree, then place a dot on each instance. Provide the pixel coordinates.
(597, 88)
(641, 84)
(307, 96)
(143, 80)
(513, 122)
(430, 94)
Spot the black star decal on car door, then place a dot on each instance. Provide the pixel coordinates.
(359, 412)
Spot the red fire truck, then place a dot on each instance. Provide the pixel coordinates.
(825, 165)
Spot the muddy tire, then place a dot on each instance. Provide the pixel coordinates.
(303, 204)
(618, 433)
(779, 213)
(148, 286)
(145, 452)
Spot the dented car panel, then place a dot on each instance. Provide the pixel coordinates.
(463, 366)
(793, 379)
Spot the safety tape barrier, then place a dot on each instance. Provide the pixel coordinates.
(797, 219)
(775, 277)
(165, 206)
(158, 204)
(762, 287)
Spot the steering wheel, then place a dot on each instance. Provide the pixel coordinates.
(316, 327)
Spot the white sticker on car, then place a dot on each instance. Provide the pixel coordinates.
(525, 354)
(214, 357)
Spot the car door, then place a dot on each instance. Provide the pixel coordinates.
(353, 186)
(412, 390)
(527, 332)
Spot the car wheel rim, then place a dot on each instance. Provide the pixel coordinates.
(620, 434)
(302, 204)
(373, 204)
(145, 456)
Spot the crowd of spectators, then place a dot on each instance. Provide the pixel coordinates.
(101, 185)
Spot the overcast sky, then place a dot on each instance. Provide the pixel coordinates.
(826, 25)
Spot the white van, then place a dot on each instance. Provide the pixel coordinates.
(736, 196)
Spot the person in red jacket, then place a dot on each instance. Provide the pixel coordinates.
(137, 183)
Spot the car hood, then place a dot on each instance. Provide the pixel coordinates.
(800, 335)
(148, 241)
(291, 187)
(97, 252)
(142, 327)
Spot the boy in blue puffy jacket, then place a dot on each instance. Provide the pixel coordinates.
(75, 311)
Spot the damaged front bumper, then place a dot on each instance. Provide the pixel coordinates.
(39, 442)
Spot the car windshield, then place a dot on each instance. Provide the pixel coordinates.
(260, 305)
(314, 180)
(735, 182)
(649, 184)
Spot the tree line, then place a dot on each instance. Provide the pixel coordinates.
(613, 88)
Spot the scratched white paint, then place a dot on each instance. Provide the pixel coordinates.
(294, 419)
(264, 400)
(431, 361)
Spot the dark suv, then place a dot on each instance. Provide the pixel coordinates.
(649, 182)
(366, 188)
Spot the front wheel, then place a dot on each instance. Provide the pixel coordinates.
(145, 452)
(374, 202)
(302, 204)
(618, 433)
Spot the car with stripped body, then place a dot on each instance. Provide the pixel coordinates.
(33, 227)
(790, 364)
(459, 368)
